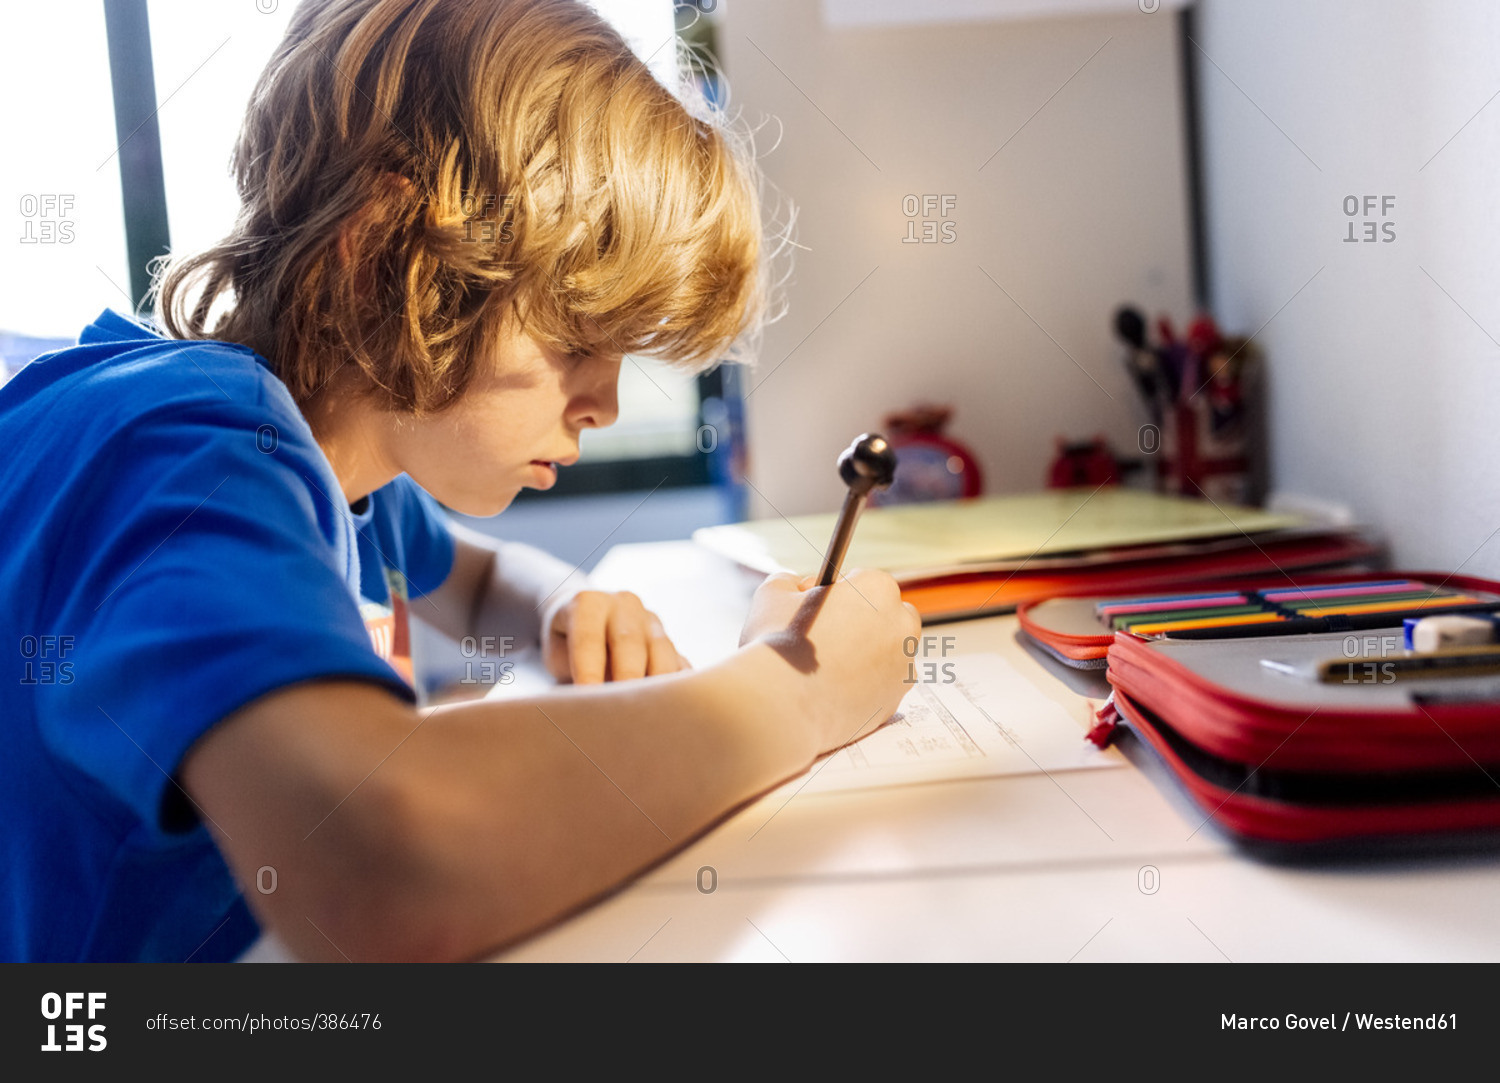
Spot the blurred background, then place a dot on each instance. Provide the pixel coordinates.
(978, 185)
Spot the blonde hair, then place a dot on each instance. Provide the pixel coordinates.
(414, 172)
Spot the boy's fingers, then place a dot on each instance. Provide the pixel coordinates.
(662, 654)
(586, 639)
(627, 639)
(877, 586)
(784, 582)
(586, 656)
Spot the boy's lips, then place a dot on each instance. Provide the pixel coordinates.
(545, 470)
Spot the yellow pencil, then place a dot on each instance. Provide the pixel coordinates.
(1386, 607)
(1206, 622)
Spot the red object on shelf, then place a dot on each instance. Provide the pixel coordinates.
(1087, 463)
(929, 465)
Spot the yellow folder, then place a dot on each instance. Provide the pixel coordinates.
(914, 541)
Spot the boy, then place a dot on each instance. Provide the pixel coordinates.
(457, 216)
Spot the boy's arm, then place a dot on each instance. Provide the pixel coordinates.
(444, 835)
(500, 588)
(497, 587)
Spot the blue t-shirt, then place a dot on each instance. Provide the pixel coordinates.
(173, 545)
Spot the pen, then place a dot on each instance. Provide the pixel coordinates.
(1454, 662)
(868, 463)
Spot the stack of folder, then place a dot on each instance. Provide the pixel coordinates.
(969, 558)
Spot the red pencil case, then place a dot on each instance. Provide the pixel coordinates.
(1294, 766)
(1068, 630)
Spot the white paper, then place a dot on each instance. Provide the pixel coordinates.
(978, 718)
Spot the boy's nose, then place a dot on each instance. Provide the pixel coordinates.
(598, 407)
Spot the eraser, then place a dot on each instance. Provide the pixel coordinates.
(1438, 633)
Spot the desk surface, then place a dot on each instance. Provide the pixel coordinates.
(1029, 867)
(1093, 865)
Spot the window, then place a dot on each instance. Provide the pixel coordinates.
(60, 178)
(206, 60)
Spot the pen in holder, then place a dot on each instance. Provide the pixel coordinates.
(1205, 394)
(1213, 442)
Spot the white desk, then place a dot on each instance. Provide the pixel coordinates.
(1016, 868)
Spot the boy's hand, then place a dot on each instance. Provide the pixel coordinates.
(597, 636)
(847, 642)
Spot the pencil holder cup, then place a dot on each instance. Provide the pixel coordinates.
(1213, 433)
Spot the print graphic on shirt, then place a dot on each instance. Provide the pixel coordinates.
(390, 633)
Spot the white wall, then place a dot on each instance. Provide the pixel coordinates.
(1384, 390)
(1082, 209)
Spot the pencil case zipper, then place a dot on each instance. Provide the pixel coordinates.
(1256, 732)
